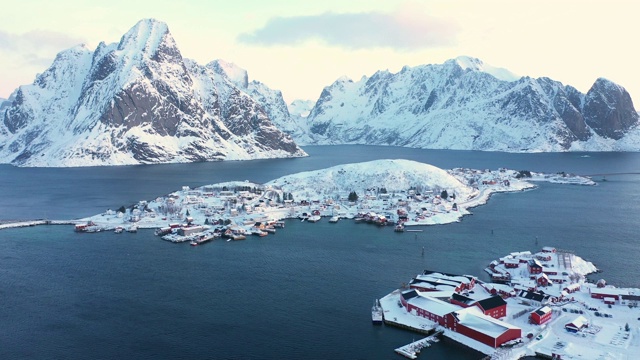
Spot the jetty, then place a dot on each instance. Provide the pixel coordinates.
(412, 350)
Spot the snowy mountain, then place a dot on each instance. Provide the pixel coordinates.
(301, 108)
(466, 104)
(137, 101)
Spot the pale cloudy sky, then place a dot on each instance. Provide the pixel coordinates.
(300, 46)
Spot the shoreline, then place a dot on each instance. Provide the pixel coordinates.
(239, 203)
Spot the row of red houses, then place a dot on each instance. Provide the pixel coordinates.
(443, 298)
(476, 319)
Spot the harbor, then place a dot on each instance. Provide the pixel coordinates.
(543, 305)
(412, 350)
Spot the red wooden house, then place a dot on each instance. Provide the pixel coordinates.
(494, 306)
(541, 316)
(534, 267)
(542, 280)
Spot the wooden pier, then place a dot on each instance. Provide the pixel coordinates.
(412, 350)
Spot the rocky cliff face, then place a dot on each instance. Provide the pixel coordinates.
(136, 101)
(465, 104)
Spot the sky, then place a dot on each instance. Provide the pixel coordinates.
(301, 46)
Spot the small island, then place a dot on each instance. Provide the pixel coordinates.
(399, 193)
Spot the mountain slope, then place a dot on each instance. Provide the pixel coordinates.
(466, 104)
(393, 175)
(136, 101)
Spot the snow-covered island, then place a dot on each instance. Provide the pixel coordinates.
(385, 192)
(537, 304)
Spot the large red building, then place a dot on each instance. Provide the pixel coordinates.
(426, 306)
(482, 328)
(493, 306)
(470, 321)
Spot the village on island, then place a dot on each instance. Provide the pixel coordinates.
(398, 193)
(537, 304)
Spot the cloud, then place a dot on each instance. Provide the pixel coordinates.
(37, 39)
(405, 29)
(24, 55)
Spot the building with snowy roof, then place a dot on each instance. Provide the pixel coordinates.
(426, 306)
(535, 298)
(534, 267)
(493, 306)
(541, 315)
(436, 281)
(610, 295)
(472, 323)
(577, 324)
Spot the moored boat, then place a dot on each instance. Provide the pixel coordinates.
(334, 219)
(376, 313)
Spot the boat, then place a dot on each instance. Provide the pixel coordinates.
(193, 243)
(258, 232)
(376, 313)
(133, 228)
(118, 230)
(163, 231)
(314, 218)
(399, 228)
(334, 219)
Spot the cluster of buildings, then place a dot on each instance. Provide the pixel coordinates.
(447, 300)
(537, 285)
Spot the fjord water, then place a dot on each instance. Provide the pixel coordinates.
(304, 292)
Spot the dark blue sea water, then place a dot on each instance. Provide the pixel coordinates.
(304, 292)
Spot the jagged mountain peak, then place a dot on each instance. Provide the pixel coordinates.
(475, 64)
(466, 104)
(136, 101)
(233, 72)
(145, 36)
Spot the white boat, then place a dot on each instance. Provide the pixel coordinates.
(376, 313)
(314, 218)
(118, 230)
(334, 219)
(133, 228)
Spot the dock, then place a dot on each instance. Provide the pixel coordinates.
(412, 350)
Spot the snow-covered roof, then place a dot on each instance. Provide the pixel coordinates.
(543, 310)
(473, 318)
(609, 291)
(433, 305)
(578, 322)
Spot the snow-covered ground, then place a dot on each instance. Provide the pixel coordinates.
(613, 332)
(392, 190)
(423, 194)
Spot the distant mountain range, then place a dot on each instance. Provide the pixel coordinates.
(466, 104)
(138, 101)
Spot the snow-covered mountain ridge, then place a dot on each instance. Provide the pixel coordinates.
(466, 104)
(136, 101)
